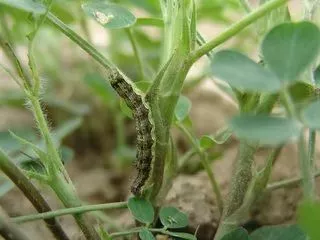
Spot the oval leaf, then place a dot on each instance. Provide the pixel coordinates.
(241, 72)
(141, 209)
(279, 233)
(182, 109)
(172, 217)
(238, 234)
(311, 115)
(109, 15)
(145, 234)
(265, 129)
(26, 5)
(290, 48)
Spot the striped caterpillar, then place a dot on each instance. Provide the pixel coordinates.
(144, 128)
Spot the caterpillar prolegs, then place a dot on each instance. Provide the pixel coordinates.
(144, 128)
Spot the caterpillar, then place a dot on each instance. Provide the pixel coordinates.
(144, 128)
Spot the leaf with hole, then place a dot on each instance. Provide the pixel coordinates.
(266, 129)
(242, 73)
(109, 15)
(141, 209)
(172, 217)
(292, 232)
(289, 48)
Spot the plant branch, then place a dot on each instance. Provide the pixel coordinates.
(287, 183)
(136, 52)
(236, 28)
(67, 211)
(204, 160)
(31, 192)
(87, 47)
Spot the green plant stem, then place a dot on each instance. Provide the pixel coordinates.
(67, 211)
(10, 231)
(312, 147)
(136, 52)
(241, 179)
(206, 165)
(307, 170)
(31, 192)
(87, 47)
(59, 179)
(236, 28)
(292, 182)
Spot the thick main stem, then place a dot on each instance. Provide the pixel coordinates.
(241, 178)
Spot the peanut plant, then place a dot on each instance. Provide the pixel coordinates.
(286, 77)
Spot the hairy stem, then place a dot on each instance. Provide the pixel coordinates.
(31, 192)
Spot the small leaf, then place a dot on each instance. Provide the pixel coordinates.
(145, 234)
(222, 135)
(238, 234)
(265, 129)
(311, 115)
(301, 91)
(109, 15)
(172, 217)
(141, 209)
(187, 236)
(241, 72)
(290, 48)
(309, 218)
(33, 165)
(292, 232)
(182, 109)
(206, 142)
(26, 5)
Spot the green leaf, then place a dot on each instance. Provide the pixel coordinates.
(206, 142)
(301, 91)
(187, 236)
(26, 5)
(311, 115)
(141, 209)
(182, 109)
(290, 48)
(145, 234)
(11, 144)
(238, 234)
(266, 129)
(172, 217)
(222, 135)
(309, 218)
(241, 72)
(292, 232)
(65, 129)
(33, 165)
(109, 15)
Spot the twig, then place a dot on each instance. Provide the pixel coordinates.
(67, 211)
